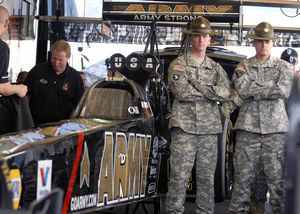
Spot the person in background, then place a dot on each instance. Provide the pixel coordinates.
(54, 87)
(21, 77)
(291, 56)
(7, 113)
(263, 83)
(198, 84)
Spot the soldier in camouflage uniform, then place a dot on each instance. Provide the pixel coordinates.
(198, 84)
(259, 188)
(263, 82)
(291, 56)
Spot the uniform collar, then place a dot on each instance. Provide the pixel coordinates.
(270, 63)
(194, 62)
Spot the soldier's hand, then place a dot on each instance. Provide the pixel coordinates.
(226, 109)
(240, 70)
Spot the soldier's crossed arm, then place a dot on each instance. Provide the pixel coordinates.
(218, 90)
(240, 70)
(178, 83)
(280, 88)
(246, 86)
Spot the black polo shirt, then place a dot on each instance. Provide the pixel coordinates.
(4, 61)
(53, 97)
(7, 110)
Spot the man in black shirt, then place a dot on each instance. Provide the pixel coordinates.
(7, 108)
(55, 88)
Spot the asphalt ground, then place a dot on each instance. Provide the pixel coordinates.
(148, 208)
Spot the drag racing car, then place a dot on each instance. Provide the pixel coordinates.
(114, 149)
(101, 157)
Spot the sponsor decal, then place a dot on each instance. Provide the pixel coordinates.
(124, 166)
(182, 12)
(146, 109)
(133, 110)
(44, 177)
(145, 104)
(181, 9)
(85, 168)
(82, 202)
(43, 81)
(15, 177)
(65, 86)
(151, 187)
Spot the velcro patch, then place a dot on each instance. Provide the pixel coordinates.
(178, 68)
(176, 77)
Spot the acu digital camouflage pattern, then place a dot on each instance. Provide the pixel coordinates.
(197, 89)
(259, 187)
(185, 150)
(250, 149)
(231, 103)
(264, 89)
(195, 123)
(261, 124)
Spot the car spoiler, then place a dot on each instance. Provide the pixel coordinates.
(181, 11)
(170, 11)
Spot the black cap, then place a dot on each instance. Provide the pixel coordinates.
(290, 55)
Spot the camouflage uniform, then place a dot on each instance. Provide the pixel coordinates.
(259, 190)
(234, 101)
(261, 125)
(195, 123)
(259, 187)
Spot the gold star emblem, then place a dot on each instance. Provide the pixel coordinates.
(266, 29)
(202, 25)
(85, 167)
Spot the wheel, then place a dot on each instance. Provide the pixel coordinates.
(223, 174)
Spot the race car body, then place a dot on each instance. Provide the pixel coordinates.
(95, 161)
(114, 148)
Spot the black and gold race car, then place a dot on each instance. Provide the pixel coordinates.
(114, 148)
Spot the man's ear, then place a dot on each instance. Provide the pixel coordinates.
(6, 23)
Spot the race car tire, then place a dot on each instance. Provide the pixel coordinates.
(224, 164)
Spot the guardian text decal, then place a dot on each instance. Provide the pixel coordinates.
(79, 202)
(124, 166)
(82, 202)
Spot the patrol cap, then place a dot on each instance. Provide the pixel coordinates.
(200, 25)
(290, 55)
(263, 31)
